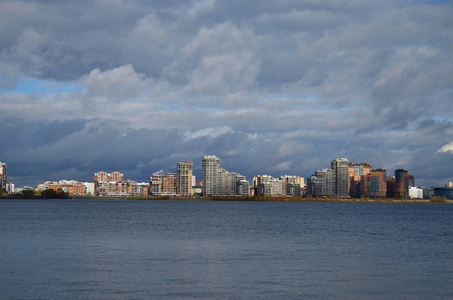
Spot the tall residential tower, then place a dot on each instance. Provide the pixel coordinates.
(2, 176)
(184, 178)
(210, 170)
(340, 172)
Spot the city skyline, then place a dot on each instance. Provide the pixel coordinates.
(189, 166)
(344, 179)
(270, 87)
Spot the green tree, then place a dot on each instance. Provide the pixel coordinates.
(28, 193)
(49, 193)
(61, 194)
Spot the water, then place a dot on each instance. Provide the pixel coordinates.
(112, 249)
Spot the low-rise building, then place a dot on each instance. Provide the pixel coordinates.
(10, 188)
(71, 187)
(162, 185)
(415, 192)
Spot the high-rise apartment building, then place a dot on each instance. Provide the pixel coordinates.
(184, 178)
(321, 184)
(340, 172)
(107, 182)
(374, 185)
(293, 184)
(270, 186)
(155, 185)
(210, 170)
(402, 183)
(355, 177)
(218, 181)
(164, 184)
(3, 176)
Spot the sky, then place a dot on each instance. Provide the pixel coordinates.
(270, 87)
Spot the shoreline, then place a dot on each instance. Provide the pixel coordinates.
(238, 199)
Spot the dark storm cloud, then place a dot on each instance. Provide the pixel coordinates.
(278, 87)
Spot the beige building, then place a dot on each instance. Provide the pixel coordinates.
(184, 179)
(71, 187)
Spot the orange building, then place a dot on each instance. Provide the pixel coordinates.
(355, 172)
(105, 183)
(71, 187)
(374, 185)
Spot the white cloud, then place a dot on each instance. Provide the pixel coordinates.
(446, 148)
(160, 172)
(149, 28)
(211, 132)
(283, 166)
(118, 83)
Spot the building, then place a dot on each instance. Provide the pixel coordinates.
(197, 190)
(333, 182)
(71, 187)
(162, 185)
(10, 188)
(267, 185)
(107, 183)
(114, 185)
(449, 184)
(210, 170)
(89, 188)
(355, 177)
(345, 179)
(243, 187)
(293, 184)
(155, 185)
(415, 192)
(321, 184)
(340, 173)
(3, 176)
(402, 183)
(184, 178)
(374, 184)
(169, 184)
(443, 192)
(218, 181)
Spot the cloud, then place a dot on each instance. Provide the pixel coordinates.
(119, 83)
(212, 132)
(283, 166)
(446, 148)
(219, 61)
(268, 86)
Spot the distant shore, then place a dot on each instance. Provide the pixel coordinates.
(253, 199)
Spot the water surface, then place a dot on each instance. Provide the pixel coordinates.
(114, 249)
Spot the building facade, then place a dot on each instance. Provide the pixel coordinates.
(218, 181)
(443, 192)
(355, 177)
(415, 192)
(374, 184)
(401, 184)
(162, 185)
(346, 179)
(71, 187)
(340, 173)
(321, 183)
(3, 169)
(111, 184)
(210, 170)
